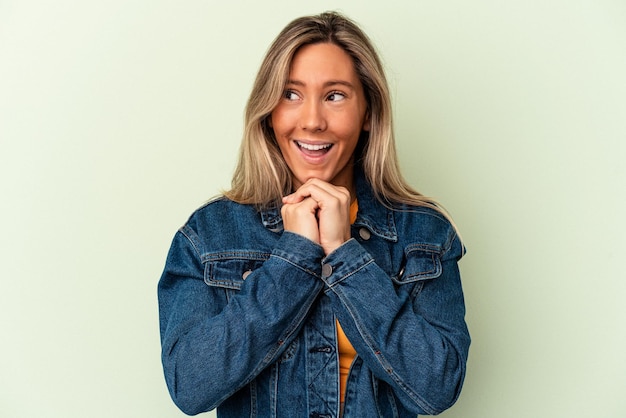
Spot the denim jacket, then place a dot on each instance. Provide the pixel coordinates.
(248, 311)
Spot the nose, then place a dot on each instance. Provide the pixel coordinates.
(312, 116)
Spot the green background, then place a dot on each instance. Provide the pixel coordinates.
(118, 118)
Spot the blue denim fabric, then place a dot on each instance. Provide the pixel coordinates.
(247, 314)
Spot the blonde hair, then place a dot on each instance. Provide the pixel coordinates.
(262, 176)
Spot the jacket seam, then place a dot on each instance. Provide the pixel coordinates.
(192, 241)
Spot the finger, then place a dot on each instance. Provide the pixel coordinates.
(328, 187)
(293, 198)
(301, 219)
(323, 192)
(333, 214)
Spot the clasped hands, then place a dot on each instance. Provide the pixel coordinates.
(320, 212)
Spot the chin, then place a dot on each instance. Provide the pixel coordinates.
(310, 176)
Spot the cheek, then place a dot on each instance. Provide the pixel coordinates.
(279, 121)
(350, 127)
(281, 135)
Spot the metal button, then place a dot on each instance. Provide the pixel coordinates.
(246, 274)
(365, 233)
(327, 270)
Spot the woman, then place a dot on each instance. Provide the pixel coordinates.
(320, 285)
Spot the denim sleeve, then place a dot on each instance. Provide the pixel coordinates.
(213, 346)
(418, 343)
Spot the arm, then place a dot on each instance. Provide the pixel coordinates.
(211, 348)
(418, 344)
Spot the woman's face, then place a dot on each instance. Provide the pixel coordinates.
(321, 115)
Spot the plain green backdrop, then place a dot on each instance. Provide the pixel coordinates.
(118, 118)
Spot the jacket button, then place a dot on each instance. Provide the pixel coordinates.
(246, 274)
(365, 234)
(327, 270)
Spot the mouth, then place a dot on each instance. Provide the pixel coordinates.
(313, 150)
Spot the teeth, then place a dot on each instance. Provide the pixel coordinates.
(312, 147)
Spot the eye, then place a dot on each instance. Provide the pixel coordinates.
(290, 95)
(336, 96)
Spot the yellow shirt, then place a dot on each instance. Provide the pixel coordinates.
(346, 351)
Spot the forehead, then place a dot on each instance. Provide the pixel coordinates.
(322, 61)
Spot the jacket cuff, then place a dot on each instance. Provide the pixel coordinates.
(300, 251)
(344, 261)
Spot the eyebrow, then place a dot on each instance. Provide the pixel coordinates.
(328, 83)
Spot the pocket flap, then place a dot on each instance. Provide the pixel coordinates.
(230, 273)
(423, 262)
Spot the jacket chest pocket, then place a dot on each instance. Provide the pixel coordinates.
(422, 262)
(229, 271)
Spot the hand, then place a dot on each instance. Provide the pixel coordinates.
(301, 218)
(330, 206)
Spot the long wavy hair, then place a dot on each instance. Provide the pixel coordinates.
(262, 176)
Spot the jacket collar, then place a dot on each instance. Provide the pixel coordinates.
(272, 218)
(372, 214)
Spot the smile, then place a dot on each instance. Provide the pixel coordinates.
(313, 147)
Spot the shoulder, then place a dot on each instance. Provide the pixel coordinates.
(423, 216)
(223, 226)
(220, 210)
(219, 216)
(429, 227)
